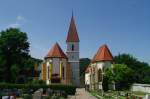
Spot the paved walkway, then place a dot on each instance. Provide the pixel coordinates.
(81, 94)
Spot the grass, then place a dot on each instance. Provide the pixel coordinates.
(115, 94)
(140, 93)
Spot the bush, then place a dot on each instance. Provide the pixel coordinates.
(48, 97)
(27, 96)
(105, 83)
(70, 90)
(37, 81)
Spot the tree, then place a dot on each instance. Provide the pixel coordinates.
(141, 69)
(14, 52)
(121, 74)
(84, 62)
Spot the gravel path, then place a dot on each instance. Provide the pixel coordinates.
(81, 94)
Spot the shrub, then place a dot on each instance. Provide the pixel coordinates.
(27, 96)
(67, 88)
(105, 83)
(48, 97)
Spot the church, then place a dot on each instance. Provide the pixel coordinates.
(101, 61)
(61, 67)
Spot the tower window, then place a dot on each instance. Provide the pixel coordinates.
(72, 47)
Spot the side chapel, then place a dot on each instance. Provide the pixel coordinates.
(102, 60)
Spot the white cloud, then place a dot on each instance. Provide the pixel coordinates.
(20, 20)
(14, 25)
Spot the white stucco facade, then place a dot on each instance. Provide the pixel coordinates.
(87, 78)
(53, 67)
(95, 77)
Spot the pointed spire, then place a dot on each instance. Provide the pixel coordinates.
(72, 12)
(72, 32)
(56, 52)
(103, 54)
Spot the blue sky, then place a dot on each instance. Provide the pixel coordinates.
(124, 25)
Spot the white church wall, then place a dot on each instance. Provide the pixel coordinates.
(73, 57)
(141, 87)
(87, 78)
(56, 65)
(100, 65)
(105, 64)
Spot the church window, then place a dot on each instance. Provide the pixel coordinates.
(72, 47)
(99, 75)
(48, 72)
(63, 73)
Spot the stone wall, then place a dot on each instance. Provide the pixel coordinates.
(141, 87)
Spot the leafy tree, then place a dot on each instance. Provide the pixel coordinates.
(141, 70)
(14, 49)
(84, 62)
(14, 71)
(105, 83)
(120, 74)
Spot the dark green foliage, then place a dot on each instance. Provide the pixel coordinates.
(27, 96)
(141, 70)
(14, 49)
(47, 97)
(36, 81)
(70, 90)
(15, 62)
(105, 83)
(84, 62)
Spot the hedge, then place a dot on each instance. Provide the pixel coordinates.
(69, 89)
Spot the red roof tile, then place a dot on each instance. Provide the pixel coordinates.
(103, 54)
(72, 33)
(56, 52)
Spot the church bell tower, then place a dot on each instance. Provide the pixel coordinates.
(73, 52)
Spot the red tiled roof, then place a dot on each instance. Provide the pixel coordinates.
(72, 33)
(103, 54)
(56, 51)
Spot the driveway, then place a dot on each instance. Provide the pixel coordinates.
(81, 94)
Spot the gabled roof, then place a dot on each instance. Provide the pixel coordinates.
(72, 32)
(103, 54)
(56, 52)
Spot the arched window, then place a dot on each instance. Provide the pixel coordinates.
(48, 73)
(72, 47)
(99, 75)
(63, 73)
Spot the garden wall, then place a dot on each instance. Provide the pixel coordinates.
(141, 87)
